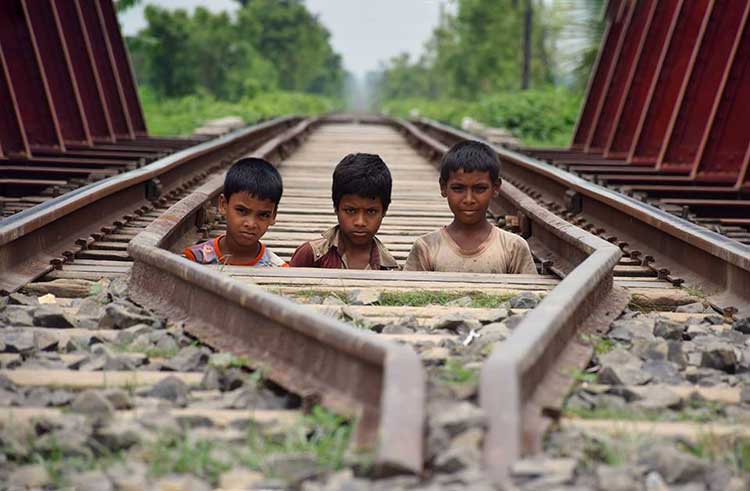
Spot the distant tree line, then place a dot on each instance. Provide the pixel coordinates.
(486, 47)
(266, 45)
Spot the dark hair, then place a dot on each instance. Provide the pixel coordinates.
(363, 174)
(471, 156)
(255, 177)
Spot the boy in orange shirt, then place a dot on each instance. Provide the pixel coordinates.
(469, 179)
(252, 191)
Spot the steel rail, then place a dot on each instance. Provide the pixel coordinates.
(29, 240)
(718, 265)
(353, 372)
(528, 375)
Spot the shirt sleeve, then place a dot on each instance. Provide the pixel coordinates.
(303, 257)
(187, 253)
(418, 259)
(521, 261)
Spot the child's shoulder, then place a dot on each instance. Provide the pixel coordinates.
(508, 239)
(270, 259)
(432, 238)
(203, 253)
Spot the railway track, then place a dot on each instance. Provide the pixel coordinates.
(393, 351)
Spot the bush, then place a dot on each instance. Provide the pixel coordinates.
(180, 116)
(536, 117)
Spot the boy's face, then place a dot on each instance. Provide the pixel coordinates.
(469, 194)
(248, 218)
(359, 218)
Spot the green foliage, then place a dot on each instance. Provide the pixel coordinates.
(321, 433)
(537, 117)
(180, 116)
(178, 453)
(267, 46)
(454, 372)
(422, 298)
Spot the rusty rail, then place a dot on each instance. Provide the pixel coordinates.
(718, 265)
(530, 371)
(29, 240)
(350, 371)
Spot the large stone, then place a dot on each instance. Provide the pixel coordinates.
(623, 375)
(21, 299)
(663, 372)
(457, 458)
(720, 356)
(630, 329)
(92, 403)
(91, 481)
(668, 330)
(674, 466)
(493, 316)
(742, 325)
(18, 316)
(692, 308)
(675, 354)
(457, 323)
(562, 469)
(29, 477)
(524, 300)
(121, 316)
(129, 476)
(656, 397)
(457, 417)
(18, 341)
(240, 479)
(650, 349)
(172, 389)
(397, 328)
(119, 398)
(52, 316)
(189, 359)
(181, 483)
(119, 435)
(616, 478)
(293, 467)
(364, 297)
(45, 341)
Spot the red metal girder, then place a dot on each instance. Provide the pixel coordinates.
(55, 63)
(674, 70)
(725, 146)
(84, 73)
(622, 75)
(12, 138)
(697, 103)
(648, 66)
(104, 65)
(123, 66)
(39, 122)
(600, 77)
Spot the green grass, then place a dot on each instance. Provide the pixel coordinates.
(582, 376)
(601, 345)
(321, 433)
(424, 298)
(180, 116)
(454, 372)
(176, 453)
(694, 411)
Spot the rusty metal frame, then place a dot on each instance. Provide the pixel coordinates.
(717, 264)
(29, 240)
(48, 48)
(30, 88)
(12, 137)
(597, 82)
(350, 371)
(633, 41)
(87, 80)
(696, 106)
(674, 73)
(101, 56)
(647, 68)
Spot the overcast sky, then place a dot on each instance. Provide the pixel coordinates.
(364, 32)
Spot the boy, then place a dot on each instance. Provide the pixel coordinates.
(361, 194)
(252, 191)
(469, 179)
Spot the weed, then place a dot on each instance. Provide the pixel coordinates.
(601, 345)
(582, 376)
(321, 433)
(175, 453)
(695, 291)
(734, 452)
(454, 372)
(424, 298)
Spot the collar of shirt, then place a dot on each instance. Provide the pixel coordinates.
(379, 255)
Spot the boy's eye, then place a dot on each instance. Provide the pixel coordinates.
(371, 211)
(349, 211)
(265, 214)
